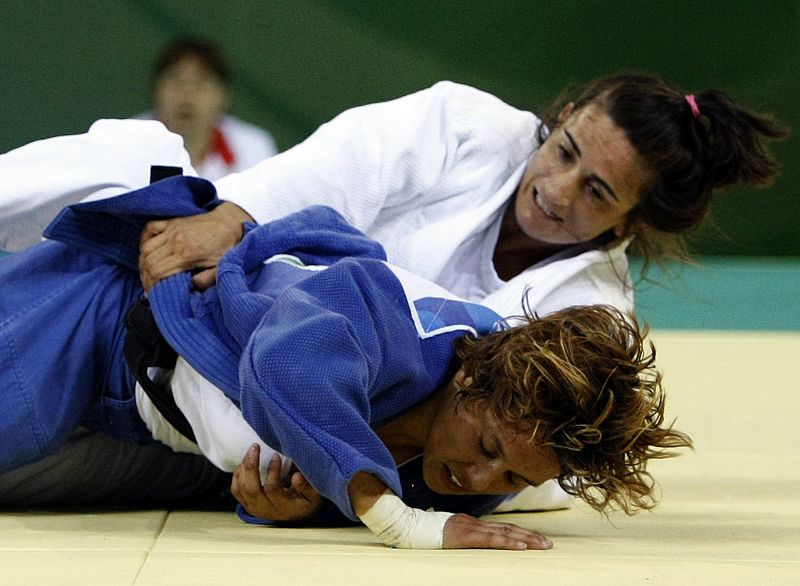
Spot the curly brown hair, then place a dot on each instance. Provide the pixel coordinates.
(586, 378)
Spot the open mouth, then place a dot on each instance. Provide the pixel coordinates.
(453, 478)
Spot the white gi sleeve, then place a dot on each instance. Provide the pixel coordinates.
(113, 157)
(377, 158)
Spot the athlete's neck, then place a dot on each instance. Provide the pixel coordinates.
(405, 435)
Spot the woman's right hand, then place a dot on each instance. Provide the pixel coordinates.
(276, 499)
(466, 532)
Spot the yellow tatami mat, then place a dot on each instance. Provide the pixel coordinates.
(730, 511)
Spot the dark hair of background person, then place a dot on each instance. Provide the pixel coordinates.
(202, 49)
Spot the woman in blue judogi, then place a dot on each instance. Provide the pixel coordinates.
(309, 333)
(315, 347)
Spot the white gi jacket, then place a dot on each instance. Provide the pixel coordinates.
(429, 176)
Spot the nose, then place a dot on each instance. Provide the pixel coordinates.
(187, 85)
(563, 189)
(483, 474)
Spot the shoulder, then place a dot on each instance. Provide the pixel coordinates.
(469, 97)
(474, 105)
(239, 127)
(144, 131)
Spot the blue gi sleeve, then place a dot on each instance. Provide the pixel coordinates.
(323, 364)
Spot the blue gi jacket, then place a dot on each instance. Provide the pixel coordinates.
(314, 358)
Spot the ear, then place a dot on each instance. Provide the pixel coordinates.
(460, 380)
(462, 377)
(565, 112)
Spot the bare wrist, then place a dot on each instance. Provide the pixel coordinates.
(232, 214)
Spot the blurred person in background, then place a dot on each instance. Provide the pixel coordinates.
(191, 91)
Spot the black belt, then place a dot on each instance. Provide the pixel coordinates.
(144, 348)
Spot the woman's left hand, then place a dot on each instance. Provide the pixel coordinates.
(274, 500)
(466, 532)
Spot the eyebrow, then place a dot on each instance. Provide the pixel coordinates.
(503, 455)
(592, 176)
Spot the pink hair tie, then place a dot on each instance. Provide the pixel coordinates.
(693, 105)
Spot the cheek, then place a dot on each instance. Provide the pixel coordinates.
(592, 220)
(211, 102)
(451, 434)
(163, 94)
(172, 95)
(437, 437)
(541, 164)
(429, 475)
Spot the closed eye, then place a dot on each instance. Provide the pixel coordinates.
(486, 452)
(595, 192)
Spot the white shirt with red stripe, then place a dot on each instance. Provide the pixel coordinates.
(236, 146)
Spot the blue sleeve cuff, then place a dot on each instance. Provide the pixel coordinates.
(251, 520)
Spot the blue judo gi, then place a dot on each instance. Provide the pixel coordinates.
(308, 330)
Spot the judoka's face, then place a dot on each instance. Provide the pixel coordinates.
(469, 452)
(585, 180)
(189, 97)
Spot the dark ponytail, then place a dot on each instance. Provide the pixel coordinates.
(736, 151)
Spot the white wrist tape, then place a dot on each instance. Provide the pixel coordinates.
(398, 525)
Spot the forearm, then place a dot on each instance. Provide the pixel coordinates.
(365, 489)
(391, 520)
